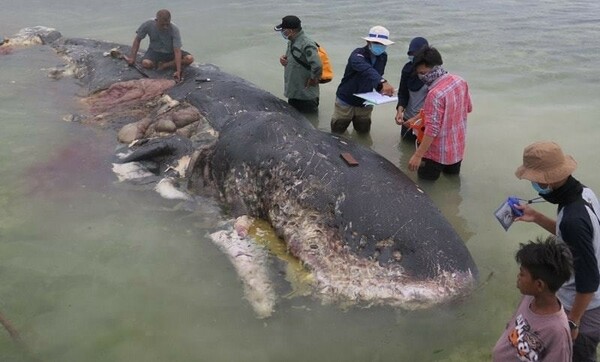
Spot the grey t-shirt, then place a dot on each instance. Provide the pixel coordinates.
(534, 337)
(161, 41)
(415, 101)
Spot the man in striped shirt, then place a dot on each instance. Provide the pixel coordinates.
(445, 111)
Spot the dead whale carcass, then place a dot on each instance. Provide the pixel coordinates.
(368, 234)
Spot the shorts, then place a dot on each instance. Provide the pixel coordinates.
(431, 170)
(158, 57)
(344, 114)
(584, 346)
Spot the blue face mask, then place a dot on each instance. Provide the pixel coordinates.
(410, 58)
(541, 190)
(377, 49)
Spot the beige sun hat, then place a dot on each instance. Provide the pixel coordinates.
(379, 34)
(544, 162)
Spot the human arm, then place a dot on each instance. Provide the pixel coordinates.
(134, 49)
(532, 215)
(385, 88)
(415, 160)
(577, 231)
(399, 115)
(582, 300)
(283, 60)
(368, 74)
(403, 93)
(140, 34)
(431, 115)
(468, 100)
(177, 74)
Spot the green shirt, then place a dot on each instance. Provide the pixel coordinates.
(295, 74)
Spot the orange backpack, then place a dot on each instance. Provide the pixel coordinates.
(327, 74)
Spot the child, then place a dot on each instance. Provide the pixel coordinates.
(539, 330)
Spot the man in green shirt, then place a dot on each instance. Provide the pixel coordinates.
(302, 66)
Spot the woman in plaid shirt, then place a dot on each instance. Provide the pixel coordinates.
(445, 109)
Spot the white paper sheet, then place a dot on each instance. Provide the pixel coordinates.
(376, 98)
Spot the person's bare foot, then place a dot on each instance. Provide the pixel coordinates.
(162, 66)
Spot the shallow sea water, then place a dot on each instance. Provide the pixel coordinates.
(94, 270)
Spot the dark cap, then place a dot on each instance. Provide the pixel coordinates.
(288, 22)
(416, 44)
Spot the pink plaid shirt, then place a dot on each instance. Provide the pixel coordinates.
(446, 108)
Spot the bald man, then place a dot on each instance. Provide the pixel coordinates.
(164, 50)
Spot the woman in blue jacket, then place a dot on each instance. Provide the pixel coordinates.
(364, 72)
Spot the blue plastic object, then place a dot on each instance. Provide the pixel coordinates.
(512, 202)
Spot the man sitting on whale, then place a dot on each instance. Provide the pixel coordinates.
(164, 50)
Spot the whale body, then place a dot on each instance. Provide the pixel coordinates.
(367, 233)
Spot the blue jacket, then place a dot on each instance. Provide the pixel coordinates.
(361, 75)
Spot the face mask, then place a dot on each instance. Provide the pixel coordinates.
(377, 49)
(431, 76)
(410, 58)
(541, 190)
(284, 36)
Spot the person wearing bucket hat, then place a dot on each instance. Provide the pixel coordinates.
(550, 172)
(164, 50)
(411, 92)
(363, 73)
(302, 66)
(445, 111)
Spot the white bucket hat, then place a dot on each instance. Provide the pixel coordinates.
(379, 34)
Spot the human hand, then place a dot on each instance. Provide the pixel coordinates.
(415, 162)
(311, 82)
(574, 333)
(529, 214)
(177, 76)
(129, 60)
(387, 89)
(283, 60)
(399, 116)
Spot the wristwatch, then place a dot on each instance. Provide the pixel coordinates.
(573, 325)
